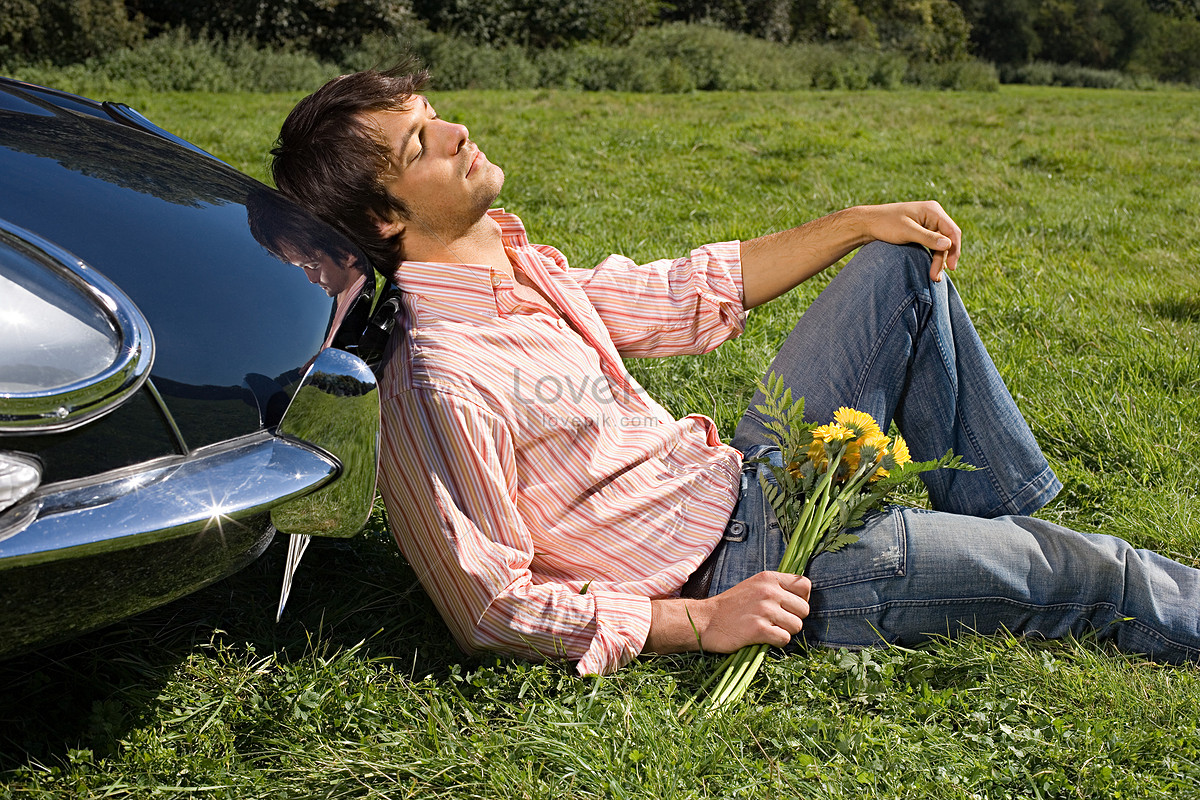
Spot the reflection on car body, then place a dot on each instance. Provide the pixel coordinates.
(180, 368)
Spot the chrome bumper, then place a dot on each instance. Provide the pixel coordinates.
(336, 409)
(316, 477)
(207, 491)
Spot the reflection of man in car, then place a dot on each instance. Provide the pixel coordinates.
(552, 508)
(323, 271)
(291, 234)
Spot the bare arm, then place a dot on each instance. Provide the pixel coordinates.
(767, 608)
(773, 264)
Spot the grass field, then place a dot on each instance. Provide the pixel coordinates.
(1080, 269)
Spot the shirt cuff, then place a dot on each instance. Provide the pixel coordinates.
(723, 269)
(729, 254)
(622, 626)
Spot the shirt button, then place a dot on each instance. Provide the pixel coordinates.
(496, 281)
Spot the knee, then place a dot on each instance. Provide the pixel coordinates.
(894, 262)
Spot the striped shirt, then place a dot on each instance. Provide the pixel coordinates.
(540, 494)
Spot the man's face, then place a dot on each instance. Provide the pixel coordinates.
(443, 177)
(324, 270)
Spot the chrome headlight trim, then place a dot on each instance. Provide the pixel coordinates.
(336, 409)
(69, 406)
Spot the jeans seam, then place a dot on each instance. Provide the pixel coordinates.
(1189, 652)
(885, 332)
(1040, 483)
(1192, 652)
(887, 605)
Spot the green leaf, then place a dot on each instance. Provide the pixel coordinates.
(838, 542)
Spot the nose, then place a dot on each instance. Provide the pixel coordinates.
(458, 134)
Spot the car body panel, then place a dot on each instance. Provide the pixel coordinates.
(98, 189)
(179, 483)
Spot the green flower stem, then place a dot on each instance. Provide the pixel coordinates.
(739, 670)
(717, 675)
(735, 681)
(754, 659)
(803, 538)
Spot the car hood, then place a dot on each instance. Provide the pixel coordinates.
(195, 244)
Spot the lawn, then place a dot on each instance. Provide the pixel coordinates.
(1079, 211)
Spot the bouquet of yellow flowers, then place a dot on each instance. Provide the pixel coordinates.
(832, 474)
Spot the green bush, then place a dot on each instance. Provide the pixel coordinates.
(558, 23)
(713, 58)
(178, 62)
(1044, 73)
(172, 62)
(455, 63)
(971, 76)
(64, 31)
(929, 30)
(77, 78)
(256, 69)
(677, 57)
(1172, 53)
(326, 28)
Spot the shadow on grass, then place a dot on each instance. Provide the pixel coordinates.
(1181, 308)
(87, 693)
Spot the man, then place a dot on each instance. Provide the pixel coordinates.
(552, 509)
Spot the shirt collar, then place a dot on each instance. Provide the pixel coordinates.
(455, 291)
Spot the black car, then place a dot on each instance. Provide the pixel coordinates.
(182, 368)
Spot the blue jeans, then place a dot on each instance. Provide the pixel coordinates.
(885, 339)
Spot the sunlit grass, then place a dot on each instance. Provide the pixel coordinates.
(1080, 214)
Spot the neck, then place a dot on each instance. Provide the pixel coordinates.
(480, 244)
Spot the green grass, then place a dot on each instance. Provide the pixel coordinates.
(1080, 215)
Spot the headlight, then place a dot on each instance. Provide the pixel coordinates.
(72, 345)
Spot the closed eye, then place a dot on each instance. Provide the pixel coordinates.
(421, 134)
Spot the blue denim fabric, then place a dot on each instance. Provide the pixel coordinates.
(885, 339)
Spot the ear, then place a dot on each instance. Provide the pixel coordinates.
(391, 228)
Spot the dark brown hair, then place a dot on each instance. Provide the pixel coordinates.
(285, 229)
(331, 162)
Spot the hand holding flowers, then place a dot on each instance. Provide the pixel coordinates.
(832, 474)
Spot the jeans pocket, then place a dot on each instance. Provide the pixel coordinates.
(880, 552)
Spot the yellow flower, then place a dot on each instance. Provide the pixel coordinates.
(897, 455)
(816, 455)
(879, 442)
(833, 432)
(862, 423)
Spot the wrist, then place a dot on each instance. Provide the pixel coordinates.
(677, 625)
(858, 225)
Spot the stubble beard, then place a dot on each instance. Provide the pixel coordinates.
(482, 199)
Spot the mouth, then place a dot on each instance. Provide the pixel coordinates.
(474, 160)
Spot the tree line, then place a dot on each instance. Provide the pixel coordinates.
(1159, 39)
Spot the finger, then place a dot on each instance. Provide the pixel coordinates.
(796, 607)
(797, 585)
(955, 236)
(938, 266)
(788, 623)
(776, 636)
(944, 246)
(946, 226)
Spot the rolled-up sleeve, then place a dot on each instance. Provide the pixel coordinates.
(449, 472)
(684, 306)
